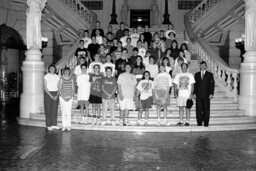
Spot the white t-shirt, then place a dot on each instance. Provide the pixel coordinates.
(83, 83)
(134, 39)
(52, 81)
(127, 83)
(109, 65)
(123, 40)
(153, 69)
(168, 69)
(184, 82)
(99, 39)
(146, 89)
(87, 41)
(142, 52)
(78, 70)
(146, 60)
(90, 69)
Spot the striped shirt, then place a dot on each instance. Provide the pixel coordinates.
(66, 88)
(162, 81)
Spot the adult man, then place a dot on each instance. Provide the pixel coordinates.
(184, 87)
(126, 93)
(203, 92)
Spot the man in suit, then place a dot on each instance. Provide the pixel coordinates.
(203, 92)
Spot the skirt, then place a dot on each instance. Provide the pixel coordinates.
(161, 97)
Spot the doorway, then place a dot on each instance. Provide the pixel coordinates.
(139, 18)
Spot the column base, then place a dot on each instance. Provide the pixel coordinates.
(247, 97)
(32, 97)
(248, 104)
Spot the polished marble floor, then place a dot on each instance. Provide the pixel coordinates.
(29, 148)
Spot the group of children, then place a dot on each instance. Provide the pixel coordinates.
(110, 75)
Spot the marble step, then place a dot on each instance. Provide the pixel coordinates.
(171, 119)
(170, 114)
(172, 108)
(151, 128)
(173, 113)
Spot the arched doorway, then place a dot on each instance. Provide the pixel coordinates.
(12, 49)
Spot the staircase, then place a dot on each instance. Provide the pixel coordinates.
(67, 18)
(225, 116)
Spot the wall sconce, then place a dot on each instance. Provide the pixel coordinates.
(239, 42)
(44, 42)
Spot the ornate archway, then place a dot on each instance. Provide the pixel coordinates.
(12, 50)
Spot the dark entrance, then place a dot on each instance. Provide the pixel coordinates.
(139, 18)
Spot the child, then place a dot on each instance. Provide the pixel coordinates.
(95, 94)
(83, 93)
(145, 92)
(152, 67)
(109, 64)
(184, 87)
(108, 88)
(66, 92)
(126, 92)
(81, 51)
(95, 62)
(162, 84)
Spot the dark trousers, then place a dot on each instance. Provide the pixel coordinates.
(51, 109)
(202, 111)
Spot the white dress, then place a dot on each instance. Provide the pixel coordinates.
(84, 87)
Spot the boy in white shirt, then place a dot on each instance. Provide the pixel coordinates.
(184, 87)
(83, 92)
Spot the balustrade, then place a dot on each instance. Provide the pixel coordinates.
(201, 9)
(80, 9)
(226, 76)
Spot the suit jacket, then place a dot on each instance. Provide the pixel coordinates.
(203, 88)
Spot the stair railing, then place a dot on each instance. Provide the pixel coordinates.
(69, 59)
(225, 77)
(202, 8)
(82, 11)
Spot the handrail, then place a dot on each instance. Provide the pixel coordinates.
(68, 60)
(202, 8)
(82, 11)
(227, 77)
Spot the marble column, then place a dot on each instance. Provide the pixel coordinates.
(33, 68)
(247, 97)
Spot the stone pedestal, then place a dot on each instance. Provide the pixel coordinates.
(247, 97)
(32, 97)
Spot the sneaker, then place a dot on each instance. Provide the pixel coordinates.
(158, 122)
(63, 129)
(120, 122)
(49, 128)
(98, 122)
(166, 123)
(145, 123)
(68, 128)
(113, 123)
(127, 123)
(103, 123)
(179, 123)
(78, 107)
(138, 123)
(187, 124)
(55, 127)
(94, 121)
